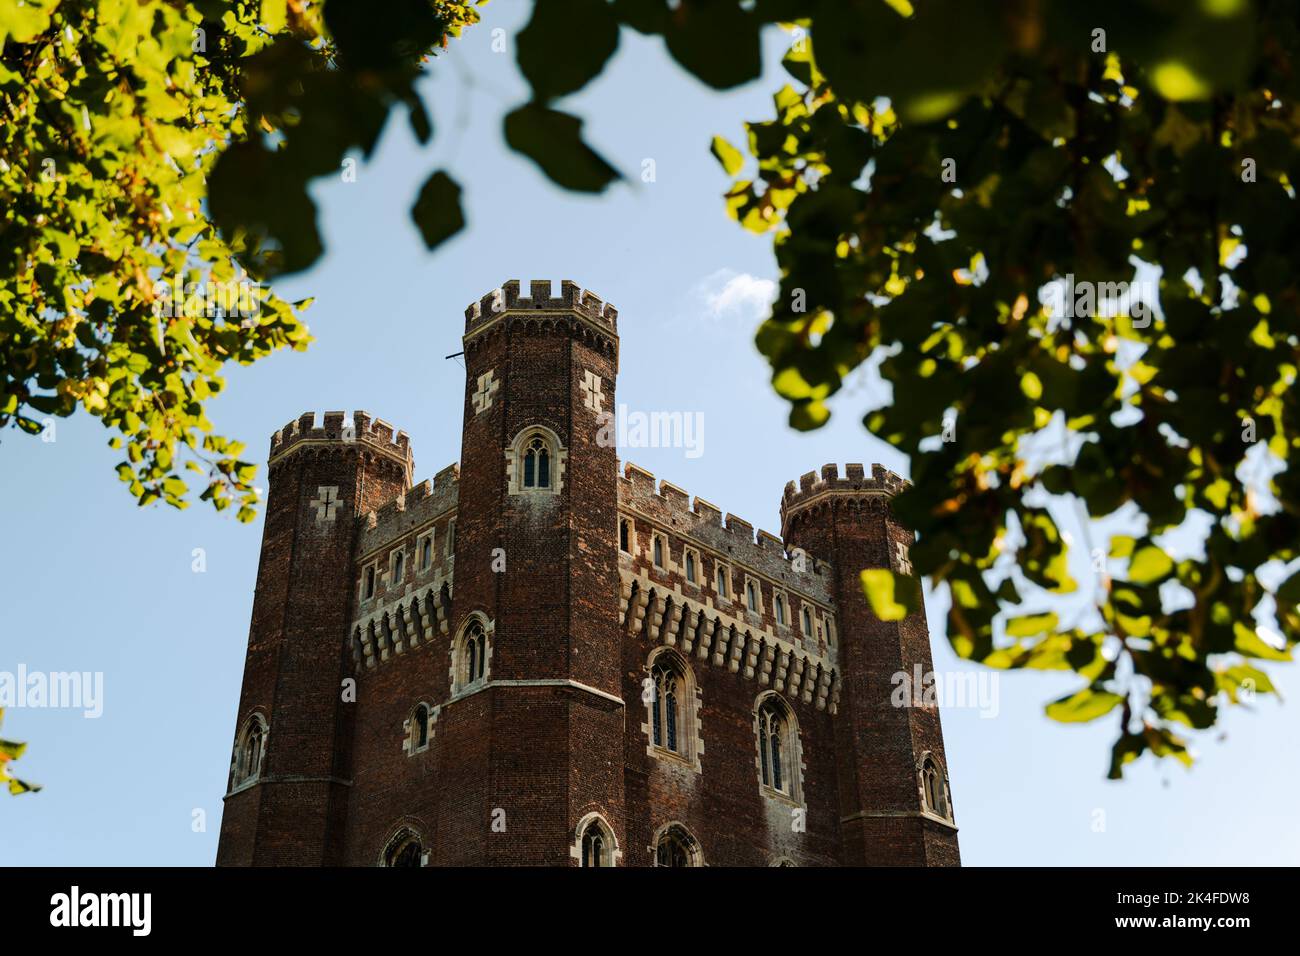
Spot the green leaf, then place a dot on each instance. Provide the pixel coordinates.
(809, 415)
(553, 140)
(1149, 564)
(1248, 642)
(892, 597)
(1032, 624)
(730, 158)
(24, 20)
(1087, 704)
(565, 45)
(437, 210)
(716, 41)
(1126, 749)
(273, 15)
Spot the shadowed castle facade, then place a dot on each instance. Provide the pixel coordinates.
(536, 659)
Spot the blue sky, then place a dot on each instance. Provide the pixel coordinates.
(92, 583)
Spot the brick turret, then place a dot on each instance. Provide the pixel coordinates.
(289, 808)
(536, 564)
(882, 749)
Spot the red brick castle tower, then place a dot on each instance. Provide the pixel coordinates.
(534, 659)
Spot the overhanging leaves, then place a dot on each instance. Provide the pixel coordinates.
(553, 140)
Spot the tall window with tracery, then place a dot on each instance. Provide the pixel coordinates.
(665, 713)
(474, 654)
(772, 749)
(404, 850)
(249, 751)
(934, 789)
(675, 848)
(594, 851)
(537, 463)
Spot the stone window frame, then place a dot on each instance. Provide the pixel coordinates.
(428, 539)
(459, 674)
(240, 778)
(807, 622)
(689, 724)
(793, 740)
(396, 566)
(943, 814)
(450, 536)
(664, 556)
(757, 585)
(690, 843)
(398, 835)
(514, 461)
(368, 586)
(409, 726)
(687, 550)
(595, 817)
(781, 599)
(625, 521)
(722, 572)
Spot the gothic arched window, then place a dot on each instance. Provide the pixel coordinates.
(690, 566)
(475, 653)
(624, 535)
(537, 463)
(665, 709)
(594, 852)
(934, 788)
(779, 760)
(779, 605)
(659, 551)
(807, 620)
(676, 847)
(772, 754)
(471, 654)
(403, 850)
(418, 730)
(671, 699)
(250, 750)
(594, 843)
(751, 595)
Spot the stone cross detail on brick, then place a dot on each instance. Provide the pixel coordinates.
(901, 555)
(592, 396)
(487, 387)
(326, 502)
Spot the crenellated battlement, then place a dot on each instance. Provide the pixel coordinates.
(421, 504)
(813, 485)
(735, 538)
(373, 432)
(572, 298)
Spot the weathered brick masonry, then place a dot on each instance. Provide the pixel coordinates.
(533, 659)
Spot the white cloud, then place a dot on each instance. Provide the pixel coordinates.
(737, 295)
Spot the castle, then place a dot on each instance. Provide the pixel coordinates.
(536, 659)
